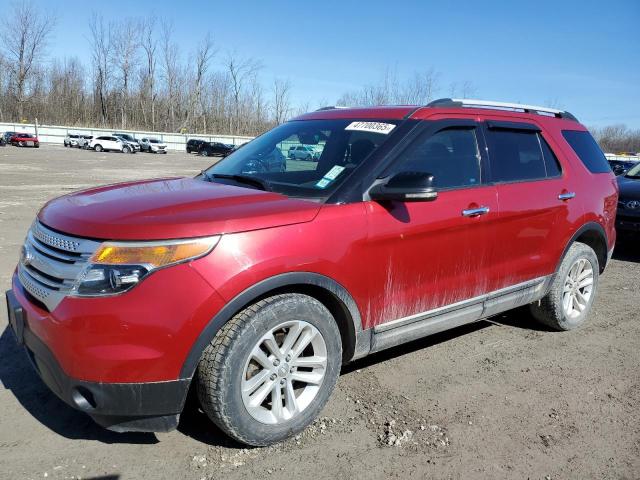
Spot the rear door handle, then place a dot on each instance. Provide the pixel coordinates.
(566, 196)
(475, 212)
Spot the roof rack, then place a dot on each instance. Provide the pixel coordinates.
(467, 102)
(331, 107)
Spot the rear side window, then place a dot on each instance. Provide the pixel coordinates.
(587, 150)
(520, 155)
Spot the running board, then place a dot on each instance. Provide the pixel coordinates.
(397, 332)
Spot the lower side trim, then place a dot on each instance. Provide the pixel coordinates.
(397, 332)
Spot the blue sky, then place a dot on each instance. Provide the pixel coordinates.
(583, 56)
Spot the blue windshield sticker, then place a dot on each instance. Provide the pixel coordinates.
(323, 182)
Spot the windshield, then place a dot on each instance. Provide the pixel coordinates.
(307, 158)
(634, 172)
(153, 140)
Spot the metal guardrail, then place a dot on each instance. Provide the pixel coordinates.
(623, 158)
(175, 141)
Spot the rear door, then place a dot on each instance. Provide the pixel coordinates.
(426, 255)
(534, 195)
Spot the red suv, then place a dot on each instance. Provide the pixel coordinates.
(256, 281)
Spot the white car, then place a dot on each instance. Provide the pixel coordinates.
(109, 142)
(152, 145)
(302, 152)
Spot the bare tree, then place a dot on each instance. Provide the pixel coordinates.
(125, 48)
(281, 100)
(101, 50)
(241, 72)
(24, 36)
(149, 45)
(464, 89)
(202, 58)
(171, 68)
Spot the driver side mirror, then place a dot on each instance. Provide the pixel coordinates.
(406, 187)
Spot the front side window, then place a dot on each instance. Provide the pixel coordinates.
(304, 158)
(450, 155)
(515, 155)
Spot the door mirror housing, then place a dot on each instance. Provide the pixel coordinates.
(406, 187)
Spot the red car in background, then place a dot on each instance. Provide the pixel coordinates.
(24, 140)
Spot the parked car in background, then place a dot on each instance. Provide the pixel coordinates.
(110, 143)
(302, 152)
(24, 140)
(71, 140)
(215, 149)
(194, 144)
(628, 216)
(6, 137)
(252, 285)
(83, 141)
(620, 167)
(153, 145)
(131, 140)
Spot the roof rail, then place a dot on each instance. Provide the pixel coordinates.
(331, 107)
(467, 102)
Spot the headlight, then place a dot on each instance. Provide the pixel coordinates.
(118, 266)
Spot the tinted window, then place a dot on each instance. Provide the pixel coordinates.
(515, 155)
(550, 160)
(451, 155)
(587, 150)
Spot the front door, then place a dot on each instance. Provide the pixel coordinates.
(426, 255)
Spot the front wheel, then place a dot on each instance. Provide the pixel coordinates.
(125, 150)
(203, 153)
(569, 301)
(271, 369)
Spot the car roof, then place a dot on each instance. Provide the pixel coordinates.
(447, 107)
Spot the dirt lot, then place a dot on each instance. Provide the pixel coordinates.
(498, 399)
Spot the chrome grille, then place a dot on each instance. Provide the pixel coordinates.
(50, 263)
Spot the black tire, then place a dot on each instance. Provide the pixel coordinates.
(125, 149)
(66, 144)
(98, 148)
(549, 310)
(203, 153)
(219, 374)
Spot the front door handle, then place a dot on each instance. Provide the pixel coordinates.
(566, 196)
(475, 212)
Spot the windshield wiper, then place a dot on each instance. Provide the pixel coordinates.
(246, 179)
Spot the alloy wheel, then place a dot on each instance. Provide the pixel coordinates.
(578, 288)
(283, 372)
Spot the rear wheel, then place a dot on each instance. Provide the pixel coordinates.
(203, 153)
(98, 148)
(270, 370)
(572, 292)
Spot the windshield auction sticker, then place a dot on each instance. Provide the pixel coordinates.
(375, 127)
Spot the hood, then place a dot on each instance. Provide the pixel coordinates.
(171, 208)
(629, 188)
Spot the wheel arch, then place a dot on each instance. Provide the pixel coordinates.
(593, 235)
(324, 289)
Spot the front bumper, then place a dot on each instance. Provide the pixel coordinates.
(121, 407)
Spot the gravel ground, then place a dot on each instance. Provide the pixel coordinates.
(498, 399)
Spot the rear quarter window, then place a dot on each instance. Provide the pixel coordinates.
(587, 150)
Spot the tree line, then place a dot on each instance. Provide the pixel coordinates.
(138, 77)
